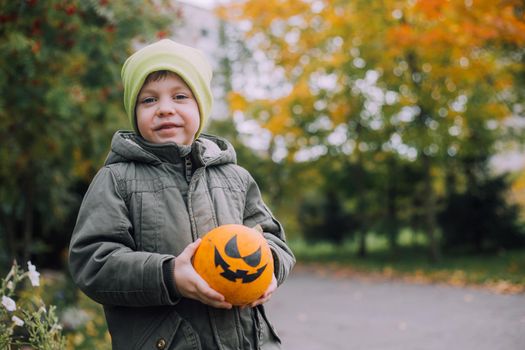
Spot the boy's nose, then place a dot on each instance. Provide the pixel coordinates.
(166, 107)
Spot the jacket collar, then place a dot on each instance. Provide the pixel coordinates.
(167, 152)
(126, 146)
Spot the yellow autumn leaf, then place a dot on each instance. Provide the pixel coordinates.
(236, 101)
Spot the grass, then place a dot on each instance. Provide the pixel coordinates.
(503, 271)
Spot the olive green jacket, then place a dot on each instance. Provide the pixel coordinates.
(142, 209)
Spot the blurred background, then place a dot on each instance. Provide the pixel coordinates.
(387, 136)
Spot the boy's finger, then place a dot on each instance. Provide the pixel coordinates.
(211, 294)
(213, 298)
(206, 291)
(219, 305)
(190, 249)
(263, 299)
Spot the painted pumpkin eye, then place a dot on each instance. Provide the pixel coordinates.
(232, 250)
(253, 259)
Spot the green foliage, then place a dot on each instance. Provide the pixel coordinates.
(68, 323)
(85, 325)
(24, 318)
(324, 218)
(410, 262)
(60, 102)
(481, 218)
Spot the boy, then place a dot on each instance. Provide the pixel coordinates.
(163, 187)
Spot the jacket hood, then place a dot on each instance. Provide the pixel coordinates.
(208, 149)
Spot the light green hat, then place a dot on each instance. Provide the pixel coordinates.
(189, 63)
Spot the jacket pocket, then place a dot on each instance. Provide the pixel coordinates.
(146, 220)
(266, 333)
(171, 333)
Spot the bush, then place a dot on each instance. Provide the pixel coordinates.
(325, 219)
(25, 321)
(481, 218)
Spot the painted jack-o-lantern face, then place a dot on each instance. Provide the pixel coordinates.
(236, 261)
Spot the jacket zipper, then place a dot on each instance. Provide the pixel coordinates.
(188, 176)
(188, 168)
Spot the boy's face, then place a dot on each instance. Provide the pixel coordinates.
(167, 111)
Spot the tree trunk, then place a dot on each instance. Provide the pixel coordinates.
(450, 180)
(362, 251)
(392, 220)
(429, 200)
(430, 211)
(469, 167)
(225, 63)
(361, 204)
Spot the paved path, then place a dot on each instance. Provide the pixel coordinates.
(312, 312)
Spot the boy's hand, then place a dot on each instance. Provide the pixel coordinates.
(191, 285)
(267, 295)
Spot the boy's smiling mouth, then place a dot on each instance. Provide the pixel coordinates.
(167, 126)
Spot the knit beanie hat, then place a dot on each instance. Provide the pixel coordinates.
(189, 63)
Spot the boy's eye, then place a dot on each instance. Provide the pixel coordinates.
(148, 100)
(180, 97)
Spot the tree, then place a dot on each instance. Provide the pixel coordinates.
(60, 101)
(421, 81)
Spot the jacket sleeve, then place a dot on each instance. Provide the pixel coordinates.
(103, 260)
(256, 212)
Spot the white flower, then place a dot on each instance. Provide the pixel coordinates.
(17, 321)
(73, 318)
(56, 327)
(10, 285)
(33, 274)
(9, 303)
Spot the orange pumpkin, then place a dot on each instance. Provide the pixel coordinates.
(236, 261)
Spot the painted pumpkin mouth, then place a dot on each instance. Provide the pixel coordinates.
(232, 250)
